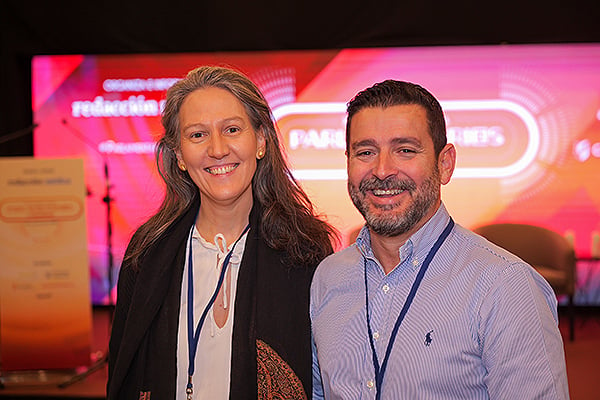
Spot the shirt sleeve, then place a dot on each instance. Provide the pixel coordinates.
(522, 348)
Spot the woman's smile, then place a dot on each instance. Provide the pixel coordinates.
(221, 169)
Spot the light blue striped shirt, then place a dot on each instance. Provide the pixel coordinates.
(483, 324)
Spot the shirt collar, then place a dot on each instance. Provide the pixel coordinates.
(417, 246)
(213, 247)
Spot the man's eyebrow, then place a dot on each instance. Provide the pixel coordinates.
(395, 142)
(362, 143)
(407, 140)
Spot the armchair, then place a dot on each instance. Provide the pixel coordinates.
(545, 250)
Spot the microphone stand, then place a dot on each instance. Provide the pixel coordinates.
(107, 199)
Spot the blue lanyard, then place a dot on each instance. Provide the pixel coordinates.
(194, 337)
(380, 370)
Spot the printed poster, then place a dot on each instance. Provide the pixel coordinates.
(45, 308)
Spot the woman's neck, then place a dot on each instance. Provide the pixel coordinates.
(228, 220)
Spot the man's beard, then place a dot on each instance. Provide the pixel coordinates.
(390, 221)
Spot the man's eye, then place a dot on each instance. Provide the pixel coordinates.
(364, 153)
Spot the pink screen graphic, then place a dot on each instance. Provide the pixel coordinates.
(525, 120)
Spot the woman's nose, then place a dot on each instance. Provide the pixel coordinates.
(218, 147)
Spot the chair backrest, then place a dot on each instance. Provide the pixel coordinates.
(547, 251)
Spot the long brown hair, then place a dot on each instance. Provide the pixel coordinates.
(288, 222)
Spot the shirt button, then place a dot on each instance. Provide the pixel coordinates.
(385, 288)
(376, 335)
(415, 262)
(370, 384)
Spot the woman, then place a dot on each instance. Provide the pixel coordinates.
(234, 224)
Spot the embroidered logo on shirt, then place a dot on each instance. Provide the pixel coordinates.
(428, 338)
(144, 395)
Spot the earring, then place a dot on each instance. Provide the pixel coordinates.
(182, 166)
(260, 154)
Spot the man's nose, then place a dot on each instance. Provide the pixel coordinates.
(384, 166)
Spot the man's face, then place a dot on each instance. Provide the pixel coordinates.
(394, 176)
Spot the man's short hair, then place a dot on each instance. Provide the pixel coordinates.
(393, 93)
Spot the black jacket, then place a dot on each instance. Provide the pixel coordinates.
(271, 314)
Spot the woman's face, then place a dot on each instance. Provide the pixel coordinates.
(218, 146)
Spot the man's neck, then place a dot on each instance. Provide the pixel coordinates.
(387, 250)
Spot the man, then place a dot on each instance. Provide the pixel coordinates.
(420, 307)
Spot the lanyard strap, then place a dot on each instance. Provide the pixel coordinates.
(194, 336)
(380, 370)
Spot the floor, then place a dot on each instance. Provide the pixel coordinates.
(582, 356)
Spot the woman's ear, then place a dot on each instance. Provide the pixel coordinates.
(261, 144)
(180, 162)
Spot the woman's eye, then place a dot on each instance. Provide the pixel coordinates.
(232, 130)
(196, 135)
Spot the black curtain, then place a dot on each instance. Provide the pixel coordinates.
(30, 28)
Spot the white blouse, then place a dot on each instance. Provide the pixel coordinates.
(213, 357)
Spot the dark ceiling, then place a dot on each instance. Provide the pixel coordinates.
(30, 27)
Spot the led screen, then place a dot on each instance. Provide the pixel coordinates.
(524, 119)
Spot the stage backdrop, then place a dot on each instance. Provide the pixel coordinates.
(524, 119)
